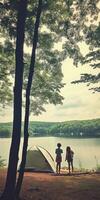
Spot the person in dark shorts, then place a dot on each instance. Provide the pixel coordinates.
(69, 158)
(58, 152)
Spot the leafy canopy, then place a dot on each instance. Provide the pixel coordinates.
(75, 21)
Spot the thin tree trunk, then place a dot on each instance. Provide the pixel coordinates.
(27, 106)
(9, 191)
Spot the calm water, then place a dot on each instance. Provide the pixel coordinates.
(87, 151)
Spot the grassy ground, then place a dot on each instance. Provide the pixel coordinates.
(41, 186)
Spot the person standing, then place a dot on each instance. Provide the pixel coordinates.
(69, 158)
(58, 152)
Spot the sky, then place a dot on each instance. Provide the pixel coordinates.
(79, 102)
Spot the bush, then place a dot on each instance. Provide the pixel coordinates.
(2, 162)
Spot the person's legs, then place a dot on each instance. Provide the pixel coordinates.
(72, 165)
(59, 167)
(69, 167)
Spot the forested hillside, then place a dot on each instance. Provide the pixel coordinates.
(76, 128)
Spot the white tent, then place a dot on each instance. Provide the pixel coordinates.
(40, 160)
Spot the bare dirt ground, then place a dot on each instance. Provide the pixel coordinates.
(46, 186)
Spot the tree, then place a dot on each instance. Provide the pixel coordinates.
(5, 82)
(9, 191)
(90, 33)
(9, 187)
(27, 107)
(93, 57)
(48, 62)
(60, 24)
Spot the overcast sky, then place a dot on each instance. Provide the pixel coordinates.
(79, 102)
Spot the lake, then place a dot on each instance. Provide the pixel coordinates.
(86, 151)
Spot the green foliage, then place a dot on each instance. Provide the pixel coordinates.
(86, 128)
(47, 81)
(6, 58)
(90, 30)
(60, 18)
(5, 130)
(97, 165)
(48, 76)
(77, 128)
(2, 162)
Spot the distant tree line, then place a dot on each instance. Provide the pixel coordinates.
(5, 130)
(76, 128)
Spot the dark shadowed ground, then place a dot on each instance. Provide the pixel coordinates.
(41, 186)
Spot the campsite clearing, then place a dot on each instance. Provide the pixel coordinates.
(47, 186)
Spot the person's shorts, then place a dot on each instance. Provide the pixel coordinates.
(58, 159)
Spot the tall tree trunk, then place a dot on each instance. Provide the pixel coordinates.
(27, 106)
(9, 191)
